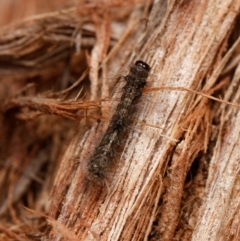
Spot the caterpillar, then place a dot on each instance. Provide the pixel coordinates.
(104, 153)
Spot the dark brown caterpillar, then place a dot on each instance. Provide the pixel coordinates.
(105, 151)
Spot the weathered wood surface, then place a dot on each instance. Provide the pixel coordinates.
(176, 175)
(186, 46)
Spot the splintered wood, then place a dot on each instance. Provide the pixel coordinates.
(176, 165)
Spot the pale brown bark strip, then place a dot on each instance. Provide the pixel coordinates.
(220, 209)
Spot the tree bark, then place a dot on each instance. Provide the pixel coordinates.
(176, 175)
